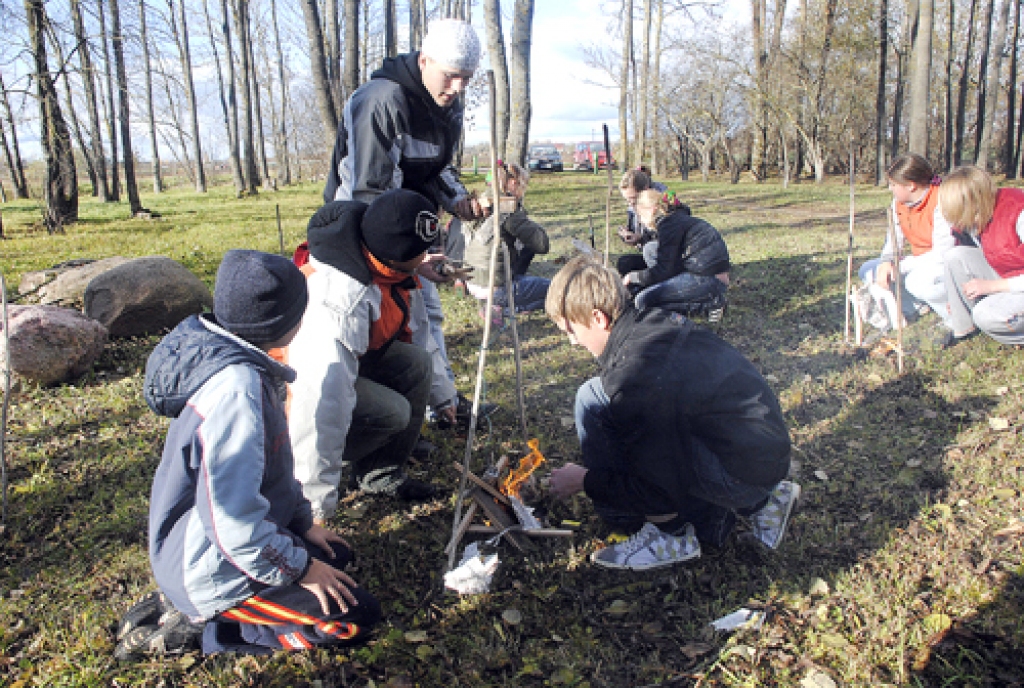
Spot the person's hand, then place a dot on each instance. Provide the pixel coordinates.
(322, 538)
(325, 581)
(884, 274)
(631, 238)
(428, 269)
(976, 288)
(567, 480)
(470, 209)
(448, 413)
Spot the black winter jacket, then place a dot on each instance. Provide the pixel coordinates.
(685, 244)
(671, 383)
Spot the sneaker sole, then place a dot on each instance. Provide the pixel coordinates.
(640, 567)
(789, 512)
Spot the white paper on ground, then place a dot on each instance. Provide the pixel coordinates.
(473, 574)
(741, 618)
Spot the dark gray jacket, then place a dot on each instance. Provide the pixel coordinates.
(394, 136)
(671, 383)
(685, 244)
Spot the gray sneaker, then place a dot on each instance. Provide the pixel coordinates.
(769, 524)
(650, 548)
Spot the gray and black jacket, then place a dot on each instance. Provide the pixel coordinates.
(393, 135)
(517, 231)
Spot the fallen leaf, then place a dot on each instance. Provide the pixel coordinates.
(944, 510)
(513, 617)
(998, 424)
(1004, 493)
(425, 651)
(617, 608)
(1010, 530)
(913, 463)
(563, 676)
(415, 636)
(928, 413)
(937, 623)
(1000, 391)
(772, 379)
(821, 475)
(652, 628)
(557, 638)
(695, 650)
(875, 377)
(834, 640)
(567, 421)
(817, 680)
(819, 588)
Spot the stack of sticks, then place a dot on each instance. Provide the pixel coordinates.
(486, 500)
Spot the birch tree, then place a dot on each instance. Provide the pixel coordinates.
(88, 76)
(499, 65)
(179, 30)
(519, 68)
(154, 144)
(117, 42)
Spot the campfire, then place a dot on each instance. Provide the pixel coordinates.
(512, 484)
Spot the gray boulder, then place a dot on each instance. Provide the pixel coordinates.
(144, 296)
(50, 344)
(64, 284)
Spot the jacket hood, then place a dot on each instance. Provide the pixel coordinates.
(404, 70)
(335, 237)
(191, 354)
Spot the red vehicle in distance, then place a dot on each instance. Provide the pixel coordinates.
(583, 156)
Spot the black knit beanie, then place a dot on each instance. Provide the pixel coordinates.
(258, 296)
(399, 225)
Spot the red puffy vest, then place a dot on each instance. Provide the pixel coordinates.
(1002, 247)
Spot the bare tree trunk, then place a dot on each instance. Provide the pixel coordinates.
(332, 49)
(321, 83)
(416, 24)
(185, 55)
(656, 91)
(986, 44)
(1009, 153)
(519, 67)
(351, 75)
(261, 143)
(89, 82)
(642, 94)
(917, 139)
(390, 29)
(69, 105)
(758, 19)
(241, 12)
(115, 179)
(14, 164)
(496, 51)
(158, 182)
(961, 98)
(61, 188)
(949, 124)
(992, 89)
(366, 41)
(117, 40)
(284, 168)
(627, 53)
(229, 102)
(883, 50)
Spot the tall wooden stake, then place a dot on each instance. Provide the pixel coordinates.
(7, 398)
(280, 232)
(482, 359)
(611, 190)
(898, 281)
(520, 399)
(849, 251)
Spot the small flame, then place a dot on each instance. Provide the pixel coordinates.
(527, 465)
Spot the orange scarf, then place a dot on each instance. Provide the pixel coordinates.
(394, 286)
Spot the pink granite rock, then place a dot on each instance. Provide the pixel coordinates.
(50, 344)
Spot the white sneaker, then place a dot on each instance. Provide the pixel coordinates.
(648, 549)
(769, 524)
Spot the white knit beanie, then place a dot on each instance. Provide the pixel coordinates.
(452, 43)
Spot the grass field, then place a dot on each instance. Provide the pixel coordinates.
(902, 566)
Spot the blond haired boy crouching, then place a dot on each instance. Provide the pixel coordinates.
(678, 433)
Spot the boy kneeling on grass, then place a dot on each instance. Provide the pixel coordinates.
(678, 434)
(231, 538)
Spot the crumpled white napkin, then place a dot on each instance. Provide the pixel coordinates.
(473, 574)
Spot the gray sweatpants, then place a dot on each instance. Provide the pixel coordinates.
(1000, 316)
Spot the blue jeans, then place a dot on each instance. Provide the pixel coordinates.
(530, 293)
(710, 502)
(682, 292)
